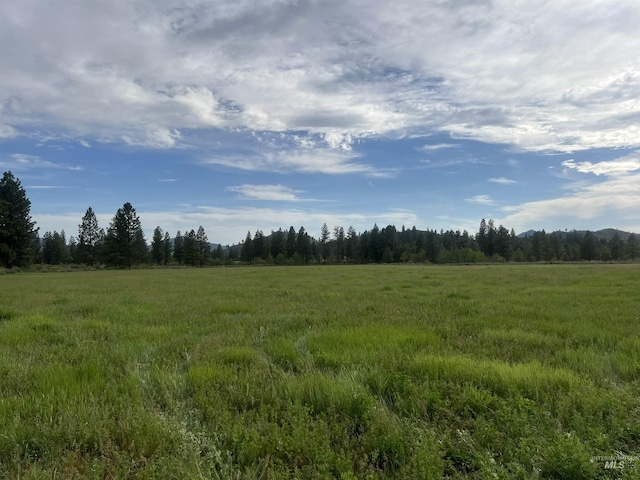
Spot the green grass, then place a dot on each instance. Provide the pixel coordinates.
(321, 372)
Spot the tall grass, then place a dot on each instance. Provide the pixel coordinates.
(321, 372)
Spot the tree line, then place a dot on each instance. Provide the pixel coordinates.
(392, 245)
(123, 243)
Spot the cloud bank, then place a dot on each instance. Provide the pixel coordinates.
(151, 73)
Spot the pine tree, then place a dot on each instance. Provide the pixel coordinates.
(290, 245)
(616, 246)
(167, 248)
(125, 241)
(324, 238)
(481, 237)
(17, 232)
(338, 234)
(218, 253)
(351, 245)
(204, 248)
(246, 255)
(259, 245)
(55, 250)
(89, 238)
(178, 248)
(303, 245)
(157, 246)
(588, 246)
(191, 248)
(277, 243)
(632, 247)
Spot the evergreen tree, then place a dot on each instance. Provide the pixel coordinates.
(538, 245)
(491, 239)
(125, 241)
(588, 246)
(277, 243)
(157, 246)
(178, 248)
(632, 247)
(55, 250)
(324, 238)
(204, 248)
(17, 232)
(89, 238)
(351, 244)
(616, 247)
(338, 234)
(291, 243)
(167, 248)
(387, 255)
(190, 245)
(502, 243)
(481, 236)
(247, 249)
(259, 245)
(303, 245)
(374, 252)
(432, 246)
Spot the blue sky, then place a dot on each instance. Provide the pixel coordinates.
(246, 115)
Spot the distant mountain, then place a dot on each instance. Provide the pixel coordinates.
(608, 233)
(604, 234)
(526, 234)
(213, 246)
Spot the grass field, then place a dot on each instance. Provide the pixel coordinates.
(321, 372)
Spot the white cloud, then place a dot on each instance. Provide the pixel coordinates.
(526, 74)
(338, 140)
(437, 146)
(22, 162)
(593, 206)
(7, 131)
(158, 137)
(620, 166)
(302, 160)
(481, 199)
(502, 180)
(266, 192)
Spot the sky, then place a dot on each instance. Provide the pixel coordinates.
(241, 115)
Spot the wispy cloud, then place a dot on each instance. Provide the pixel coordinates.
(7, 131)
(450, 162)
(619, 166)
(502, 180)
(266, 192)
(304, 160)
(480, 199)
(22, 162)
(437, 146)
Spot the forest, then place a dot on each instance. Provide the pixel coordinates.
(123, 244)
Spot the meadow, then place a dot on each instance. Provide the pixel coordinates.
(349, 372)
